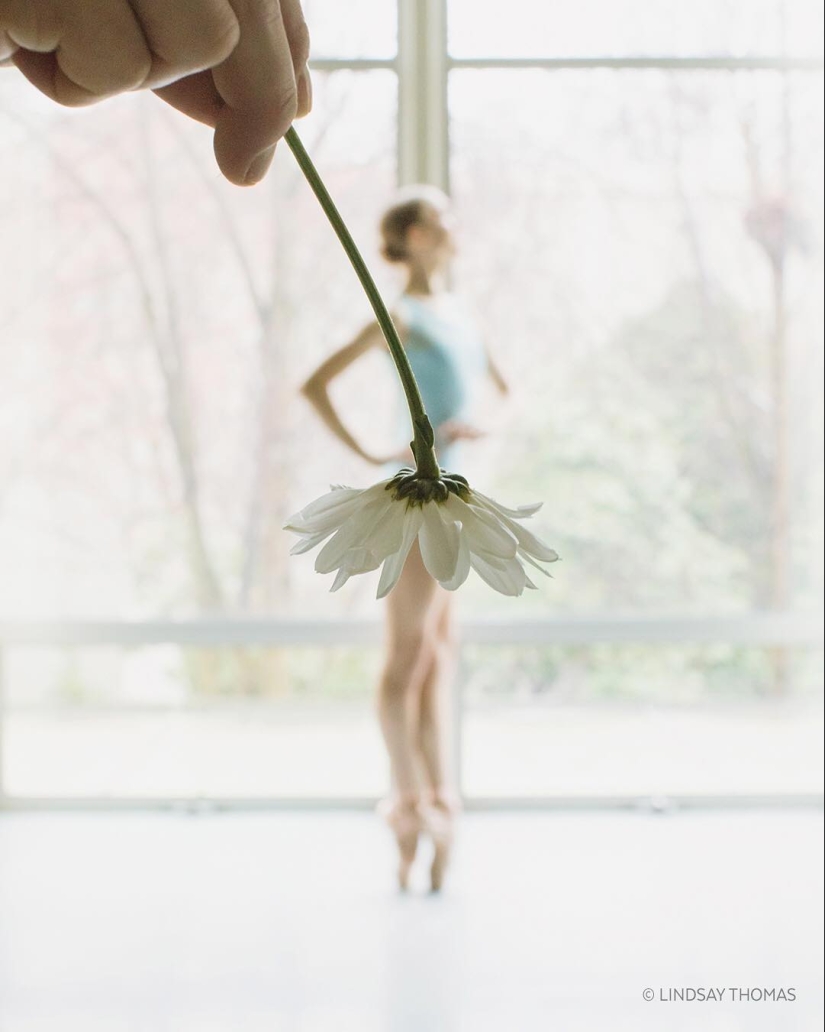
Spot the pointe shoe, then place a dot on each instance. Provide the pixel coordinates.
(440, 816)
(405, 820)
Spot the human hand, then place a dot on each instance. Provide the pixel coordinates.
(239, 66)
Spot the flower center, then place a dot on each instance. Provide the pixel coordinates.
(418, 490)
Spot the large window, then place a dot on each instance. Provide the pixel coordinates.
(638, 190)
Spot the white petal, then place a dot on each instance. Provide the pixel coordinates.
(327, 503)
(324, 522)
(484, 529)
(341, 579)
(439, 542)
(387, 534)
(526, 539)
(492, 559)
(374, 514)
(353, 534)
(309, 542)
(361, 560)
(394, 563)
(332, 510)
(357, 560)
(529, 559)
(490, 533)
(509, 581)
(531, 545)
(337, 495)
(522, 512)
(462, 566)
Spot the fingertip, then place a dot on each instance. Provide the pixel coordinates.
(303, 84)
(259, 167)
(235, 164)
(228, 163)
(245, 140)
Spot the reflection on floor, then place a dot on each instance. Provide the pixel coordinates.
(276, 922)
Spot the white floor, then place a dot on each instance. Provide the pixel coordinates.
(276, 922)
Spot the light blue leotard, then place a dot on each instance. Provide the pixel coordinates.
(448, 358)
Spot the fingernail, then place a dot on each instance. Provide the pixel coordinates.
(257, 170)
(304, 83)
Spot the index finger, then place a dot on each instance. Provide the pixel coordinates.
(258, 86)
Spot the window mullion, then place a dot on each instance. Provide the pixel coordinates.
(422, 118)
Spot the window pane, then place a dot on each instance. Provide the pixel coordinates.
(166, 722)
(159, 322)
(645, 720)
(644, 251)
(622, 28)
(358, 28)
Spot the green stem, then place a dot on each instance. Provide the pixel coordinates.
(423, 443)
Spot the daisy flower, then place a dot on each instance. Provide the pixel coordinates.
(457, 530)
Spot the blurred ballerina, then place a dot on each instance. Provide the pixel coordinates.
(449, 360)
